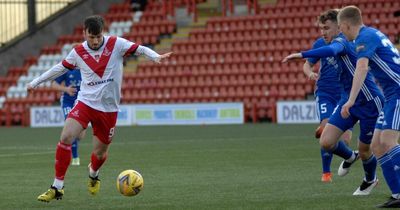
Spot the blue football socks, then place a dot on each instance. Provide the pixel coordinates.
(74, 148)
(326, 160)
(391, 177)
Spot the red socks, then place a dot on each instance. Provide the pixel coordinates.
(96, 163)
(63, 158)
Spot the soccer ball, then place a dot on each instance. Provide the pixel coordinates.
(130, 182)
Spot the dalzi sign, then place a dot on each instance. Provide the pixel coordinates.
(47, 117)
(297, 112)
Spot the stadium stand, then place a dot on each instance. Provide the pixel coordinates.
(229, 59)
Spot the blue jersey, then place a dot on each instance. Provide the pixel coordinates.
(384, 60)
(347, 59)
(328, 81)
(368, 103)
(70, 78)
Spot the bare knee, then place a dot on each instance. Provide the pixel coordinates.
(326, 143)
(377, 149)
(67, 137)
(381, 144)
(330, 137)
(71, 130)
(386, 146)
(389, 139)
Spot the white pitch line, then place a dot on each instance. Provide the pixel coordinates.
(26, 154)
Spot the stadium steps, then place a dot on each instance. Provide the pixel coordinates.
(205, 10)
(165, 45)
(208, 9)
(263, 2)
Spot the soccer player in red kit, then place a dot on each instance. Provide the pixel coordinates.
(100, 60)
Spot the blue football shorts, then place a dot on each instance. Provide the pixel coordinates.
(367, 113)
(389, 117)
(66, 107)
(325, 105)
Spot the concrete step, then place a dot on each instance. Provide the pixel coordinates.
(210, 4)
(131, 66)
(209, 8)
(263, 2)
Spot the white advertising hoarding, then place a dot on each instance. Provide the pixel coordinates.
(162, 114)
(124, 115)
(47, 116)
(53, 116)
(293, 112)
(188, 114)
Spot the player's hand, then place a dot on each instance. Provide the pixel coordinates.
(345, 112)
(29, 88)
(163, 56)
(313, 76)
(70, 90)
(292, 57)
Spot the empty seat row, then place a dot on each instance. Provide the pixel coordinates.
(217, 81)
(120, 8)
(248, 46)
(243, 68)
(209, 36)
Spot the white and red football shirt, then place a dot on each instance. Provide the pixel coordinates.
(101, 71)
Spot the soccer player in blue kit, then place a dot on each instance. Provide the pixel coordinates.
(367, 106)
(375, 52)
(326, 94)
(69, 83)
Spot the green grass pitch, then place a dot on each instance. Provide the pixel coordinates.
(252, 166)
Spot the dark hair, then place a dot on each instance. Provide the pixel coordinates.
(94, 24)
(328, 15)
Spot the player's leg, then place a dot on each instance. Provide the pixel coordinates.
(330, 139)
(75, 156)
(98, 157)
(390, 166)
(388, 150)
(75, 147)
(330, 142)
(389, 141)
(326, 156)
(71, 129)
(325, 107)
(103, 132)
(388, 171)
(369, 165)
(368, 115)
(346, 137)
(67, 107)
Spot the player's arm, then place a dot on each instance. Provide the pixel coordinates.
(127, 47)
(54, 72)
(151, 54)
(49, 75)
(366, 45)
(308, 70)
(359, 76)
(322, 52)
(61, 87)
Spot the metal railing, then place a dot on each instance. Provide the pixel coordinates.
(19, 16)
